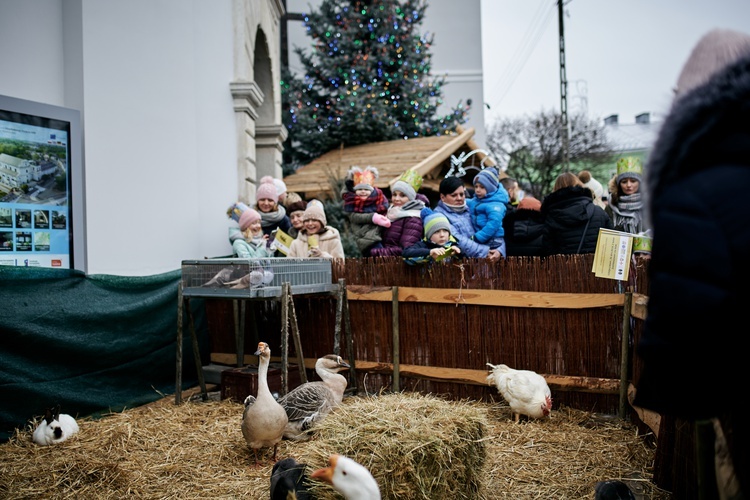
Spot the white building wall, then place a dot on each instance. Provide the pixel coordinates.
(152, 81)
(456, 52)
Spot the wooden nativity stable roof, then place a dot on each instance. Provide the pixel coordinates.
(429, 156)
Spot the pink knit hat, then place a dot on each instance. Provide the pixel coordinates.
(266, 190)
(248, 217)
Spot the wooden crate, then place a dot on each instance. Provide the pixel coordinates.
(238, 383)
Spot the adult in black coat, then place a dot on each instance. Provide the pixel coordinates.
(694, 361)
(524, 228)
(571, 219)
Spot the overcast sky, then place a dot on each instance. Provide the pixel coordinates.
(622, 57)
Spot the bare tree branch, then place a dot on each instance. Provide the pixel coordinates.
(532, 148)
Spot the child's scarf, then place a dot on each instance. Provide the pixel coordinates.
(376, 202)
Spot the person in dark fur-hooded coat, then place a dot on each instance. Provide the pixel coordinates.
(697, 179)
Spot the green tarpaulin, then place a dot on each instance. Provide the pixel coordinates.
(92, 343)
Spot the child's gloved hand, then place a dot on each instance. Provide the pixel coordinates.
(381, 220)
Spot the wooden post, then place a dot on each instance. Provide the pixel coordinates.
(238, 308)
(178, 375)
(353, 385)
(196, 350)
(625, 353)
(396, 352)
(297, 339)
(340, 298)
(284, 337)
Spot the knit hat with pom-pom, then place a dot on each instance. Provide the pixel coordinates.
(488, 178)
(266, 190)
(591, 183)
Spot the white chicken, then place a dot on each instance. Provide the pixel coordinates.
(526, 391)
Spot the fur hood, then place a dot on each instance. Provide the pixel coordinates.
(696, 133)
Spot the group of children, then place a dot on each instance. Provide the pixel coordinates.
(406, 226)
(276, 211)
(403, 226)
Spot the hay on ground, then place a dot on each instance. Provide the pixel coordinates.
(196, 450)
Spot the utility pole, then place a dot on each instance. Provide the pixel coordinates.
(563, 90)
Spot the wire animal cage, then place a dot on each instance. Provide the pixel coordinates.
(250, 278)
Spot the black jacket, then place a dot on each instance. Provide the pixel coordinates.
(523, 232)
(692, 346)
(565, 213)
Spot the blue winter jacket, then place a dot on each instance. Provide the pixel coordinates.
(487, 217)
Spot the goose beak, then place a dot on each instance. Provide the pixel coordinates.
(326, 474)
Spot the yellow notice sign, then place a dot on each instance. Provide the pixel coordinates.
(282, 241)
(612, 255)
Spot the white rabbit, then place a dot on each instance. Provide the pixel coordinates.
(56, 427)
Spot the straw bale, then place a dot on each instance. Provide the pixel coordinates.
(415, 446)
(195, 450)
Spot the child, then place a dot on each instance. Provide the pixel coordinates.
(272, 214)
(295, 209)
(366, 206)
(248, 241)
(437, 244)
(487, 209)
(317, 238)
(405, 216)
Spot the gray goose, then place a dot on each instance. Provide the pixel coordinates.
(310, 402)
(264, 419)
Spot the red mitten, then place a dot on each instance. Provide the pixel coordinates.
(381, 220)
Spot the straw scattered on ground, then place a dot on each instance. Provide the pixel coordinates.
(412, 443)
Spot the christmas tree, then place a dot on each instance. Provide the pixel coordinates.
(367, 80)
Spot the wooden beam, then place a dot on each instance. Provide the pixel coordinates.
(454, 375)
(437, 157)
(503, 298)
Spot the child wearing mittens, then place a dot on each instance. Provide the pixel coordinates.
(248, 241)
(405, 216)
(487, 209)
(366, 207)
(438, 243)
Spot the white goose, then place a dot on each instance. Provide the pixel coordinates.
(263, 420)
(310, 402)
(349, 478)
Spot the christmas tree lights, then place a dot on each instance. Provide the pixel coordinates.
(367, 79)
